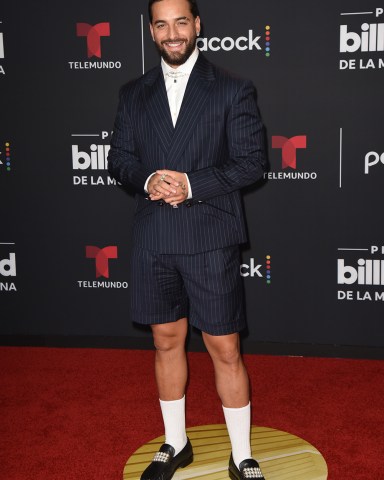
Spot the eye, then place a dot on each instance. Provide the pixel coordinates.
(160, 25)
(182, 22)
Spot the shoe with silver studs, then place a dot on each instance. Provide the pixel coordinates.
(248, 469)
(165, 462)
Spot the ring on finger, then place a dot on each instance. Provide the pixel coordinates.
(162, 177)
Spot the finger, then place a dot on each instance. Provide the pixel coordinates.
(164, 188)
(169, 190)
(177, 202)
(170, 176)
(167, 182)
(157, 196)
(157, 183)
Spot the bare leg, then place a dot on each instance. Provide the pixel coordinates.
(171, 377)
(171, 361)
(232, 385)
(231, 376)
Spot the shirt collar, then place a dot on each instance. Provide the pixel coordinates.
(185, 68)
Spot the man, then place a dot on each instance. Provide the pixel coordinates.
(187, 138)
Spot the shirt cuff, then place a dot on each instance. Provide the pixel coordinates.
(189, 188)
(146, 182)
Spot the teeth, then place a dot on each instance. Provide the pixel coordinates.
(174, 44)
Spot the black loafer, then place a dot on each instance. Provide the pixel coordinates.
(165, 463)
(248, 469)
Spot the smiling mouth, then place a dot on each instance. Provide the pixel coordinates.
(174, 43)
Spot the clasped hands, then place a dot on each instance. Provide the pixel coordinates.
(168, 185)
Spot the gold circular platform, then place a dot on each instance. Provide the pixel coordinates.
(281, 456)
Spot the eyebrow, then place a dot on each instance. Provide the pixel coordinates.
(176, 19)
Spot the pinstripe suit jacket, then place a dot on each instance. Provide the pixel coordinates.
(217, 141)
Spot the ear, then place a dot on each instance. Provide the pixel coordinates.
(197, 25)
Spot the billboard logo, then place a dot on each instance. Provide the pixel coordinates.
(7, 270)
(93, 33)
(250, 42)
(367, 272)
(362, 38)
(8, 266)
(95, 160)
(372, 159)
(101, 256)
(371, 38)
(89, 159)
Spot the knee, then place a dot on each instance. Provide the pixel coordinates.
(164, 344)
(168, 339)
(230, 357)
(224, 350)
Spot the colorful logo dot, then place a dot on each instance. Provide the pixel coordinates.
(267, 41)
(8, 156)
(268, 268)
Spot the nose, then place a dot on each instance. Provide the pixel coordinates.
(173, 32)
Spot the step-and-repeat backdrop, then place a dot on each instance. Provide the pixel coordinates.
(314, 267)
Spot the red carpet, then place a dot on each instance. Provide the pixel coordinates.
(73, 414)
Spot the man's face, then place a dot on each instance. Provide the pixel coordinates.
(174, 30)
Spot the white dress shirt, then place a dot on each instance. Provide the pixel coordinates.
(176, 80)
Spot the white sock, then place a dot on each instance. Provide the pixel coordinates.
(238, 422)
(173, 412)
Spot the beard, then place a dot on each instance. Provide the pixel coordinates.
(177, 58)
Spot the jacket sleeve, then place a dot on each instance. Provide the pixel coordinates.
(123, 160)
(245, 142)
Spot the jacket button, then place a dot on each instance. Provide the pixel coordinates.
(188, 204)
(160, 203)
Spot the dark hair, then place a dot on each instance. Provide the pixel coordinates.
(192, 4)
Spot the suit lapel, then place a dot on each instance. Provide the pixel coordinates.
(157, 107)
(199, 87)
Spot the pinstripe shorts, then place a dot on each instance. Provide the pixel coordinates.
(205, 287)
